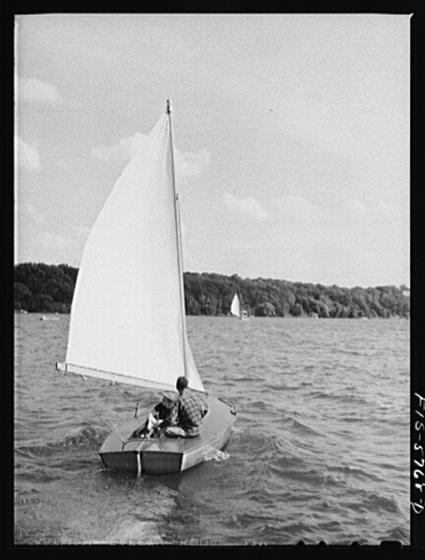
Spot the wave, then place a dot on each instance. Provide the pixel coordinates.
(310, 476)
(248, 441)
(302, 428)
(347, 471)
(131, 530)
(332, 525)
(242, 379)
(281, 385)
(398, 534)
(390, 466)
(264, 450)
(275, 533)
(38, 475)
(347, 397)
(322, 395)
(352, 399)
(371, 501)
(213, 454)
(259, 405)
(377, 501)
(86, 436)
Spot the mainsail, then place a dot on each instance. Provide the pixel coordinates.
(235, 308)
(127, 316)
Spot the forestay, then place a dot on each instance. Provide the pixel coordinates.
(126, 317)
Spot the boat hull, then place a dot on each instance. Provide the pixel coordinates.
(169, 455)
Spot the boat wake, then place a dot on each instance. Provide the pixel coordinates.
(87, 437)
(213, 454)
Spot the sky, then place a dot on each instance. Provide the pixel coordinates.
(291, 135)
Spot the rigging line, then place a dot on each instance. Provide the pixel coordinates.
(109, 426)
(97, 414)
(112, 425)
(123, 395)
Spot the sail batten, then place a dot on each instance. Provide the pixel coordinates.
(126, 314)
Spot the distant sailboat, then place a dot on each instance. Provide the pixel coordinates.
(235, 308)
(123, 335)
(46, 318)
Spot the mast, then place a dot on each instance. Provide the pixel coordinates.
(179, 242)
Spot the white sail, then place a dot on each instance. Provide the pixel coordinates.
(235, 308)
(126, 318)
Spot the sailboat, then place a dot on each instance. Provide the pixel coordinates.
(131, 261)
(235, 308)
(46, 318)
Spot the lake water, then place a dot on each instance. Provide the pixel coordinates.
(319, 451)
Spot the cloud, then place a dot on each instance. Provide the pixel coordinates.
(26, 155)
(122, 151)
(381, 210)
(188, 164)
(33, 90)
(245, 206)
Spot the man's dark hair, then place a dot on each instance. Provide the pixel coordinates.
(181, 383)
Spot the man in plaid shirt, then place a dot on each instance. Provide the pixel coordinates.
(189, 410)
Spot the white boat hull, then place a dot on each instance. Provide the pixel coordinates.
(169, 455)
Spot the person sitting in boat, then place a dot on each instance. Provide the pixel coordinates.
(163, 415)
(190, 410)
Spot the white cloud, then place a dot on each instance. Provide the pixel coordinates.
(26, 155)
(246, 206)
(122, 151)
(34, 90)
(188, 164)
(381, 210)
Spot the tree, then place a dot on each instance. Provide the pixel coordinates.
(266, 309)
(41, 287)
(296, 310)
(22, 295)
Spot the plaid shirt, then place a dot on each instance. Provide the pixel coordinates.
(190, 411)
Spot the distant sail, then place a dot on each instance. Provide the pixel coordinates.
(235, 308)
(126, 317)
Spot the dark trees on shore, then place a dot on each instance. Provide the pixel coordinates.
(49, 288)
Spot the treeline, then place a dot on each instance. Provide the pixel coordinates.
(48, 288)
(211, 294)
(44, 288)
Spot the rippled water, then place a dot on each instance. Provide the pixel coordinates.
(319, 451)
